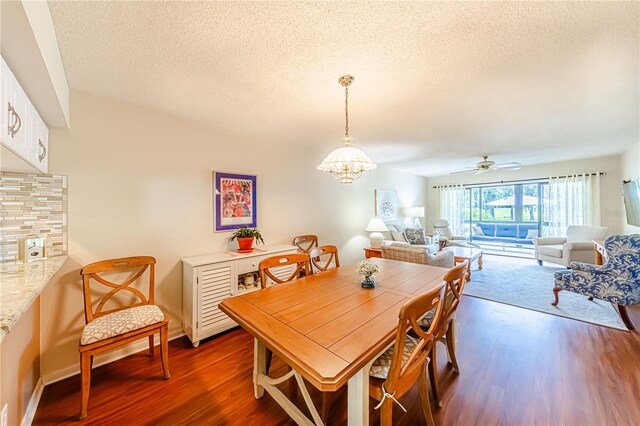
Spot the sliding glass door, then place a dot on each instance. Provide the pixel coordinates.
(510, 203)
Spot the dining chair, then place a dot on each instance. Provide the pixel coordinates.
(455, 279)
(394, 372)
(324, 258)
(134, 317)
(305, 243)
(277, 269)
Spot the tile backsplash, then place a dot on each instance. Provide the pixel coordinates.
(32, 205)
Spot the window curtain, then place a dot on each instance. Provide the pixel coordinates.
(451, 207)
(572, 200)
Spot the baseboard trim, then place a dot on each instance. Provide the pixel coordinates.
(105, 358)
(30, 413)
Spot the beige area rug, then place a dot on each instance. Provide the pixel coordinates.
(521, 282)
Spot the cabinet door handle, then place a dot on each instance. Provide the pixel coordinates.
(17, 123)
(43, 151)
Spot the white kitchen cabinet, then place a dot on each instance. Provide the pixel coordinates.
(209, 279)
(22, 130)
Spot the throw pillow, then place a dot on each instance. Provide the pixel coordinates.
(396, 235)
(415, 236)
(531, 234)
(478, 231)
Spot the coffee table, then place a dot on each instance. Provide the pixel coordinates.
(460, 254)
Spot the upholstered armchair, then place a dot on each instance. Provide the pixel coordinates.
(443, 230)
(421, 255)
(617, 281)
(441, 227)
(576, 247)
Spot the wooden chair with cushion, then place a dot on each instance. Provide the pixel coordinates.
(305, 243)
(455, 280)
(107, 329)
(324, 258)
(396, 370)
(277, 269)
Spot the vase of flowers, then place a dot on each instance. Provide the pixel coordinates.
(366, 269)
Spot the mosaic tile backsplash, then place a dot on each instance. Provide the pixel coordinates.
(32, 205)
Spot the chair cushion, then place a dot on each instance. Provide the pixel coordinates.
(425, 322)
(531, 234)
(554, 250)
(380, 367)
(120, 322)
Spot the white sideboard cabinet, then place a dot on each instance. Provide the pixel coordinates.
(22, 130)
(209, 279)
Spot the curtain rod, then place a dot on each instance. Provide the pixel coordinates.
(532, 180)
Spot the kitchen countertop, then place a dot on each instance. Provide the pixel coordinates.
(20, 285)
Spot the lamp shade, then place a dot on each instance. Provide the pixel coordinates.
(414, 212)
(376, 225)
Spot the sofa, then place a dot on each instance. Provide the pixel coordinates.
(506, 233)
(414, 254)
(398, 236)
(577, 246)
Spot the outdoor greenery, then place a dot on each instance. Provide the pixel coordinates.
(247, 233)
(502, 203)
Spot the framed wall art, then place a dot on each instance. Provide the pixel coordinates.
(234, 201)
(386, 204)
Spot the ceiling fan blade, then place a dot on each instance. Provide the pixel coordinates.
(481, 171)
(463, 171)
(508, 165)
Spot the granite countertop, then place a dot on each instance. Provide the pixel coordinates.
(20, 285)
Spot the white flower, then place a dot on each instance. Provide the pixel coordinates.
(366, 268)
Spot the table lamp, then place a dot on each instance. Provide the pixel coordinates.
(416, 212)
(376, 226)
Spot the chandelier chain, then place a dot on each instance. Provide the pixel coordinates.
(346, 112)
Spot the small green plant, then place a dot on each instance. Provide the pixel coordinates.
(247, 233)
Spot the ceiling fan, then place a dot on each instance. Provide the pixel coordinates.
(486, 165)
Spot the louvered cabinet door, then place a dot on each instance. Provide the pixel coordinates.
(281, 272)
(215, 283)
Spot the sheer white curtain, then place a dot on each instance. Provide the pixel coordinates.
(451, 207)
(572, 200)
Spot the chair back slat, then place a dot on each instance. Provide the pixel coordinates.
(410, 315)
(323, 257)
(91, 273)
(266, 266)
(305, 243)
(455, 279)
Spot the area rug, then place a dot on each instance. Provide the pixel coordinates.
(521, 282)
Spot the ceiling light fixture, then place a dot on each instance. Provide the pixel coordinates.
(347, 162)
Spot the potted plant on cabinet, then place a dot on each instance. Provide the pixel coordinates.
(245, 237)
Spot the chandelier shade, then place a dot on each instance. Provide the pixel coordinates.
(347, 162)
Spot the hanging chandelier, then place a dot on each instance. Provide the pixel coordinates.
(347, 162)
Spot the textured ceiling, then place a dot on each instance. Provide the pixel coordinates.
(436, 84)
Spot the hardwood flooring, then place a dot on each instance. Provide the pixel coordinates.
(517, 367)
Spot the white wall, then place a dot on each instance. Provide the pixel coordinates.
(630, 167)
(140, 184)
(610, 184)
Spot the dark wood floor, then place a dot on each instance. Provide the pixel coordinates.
(517, 367)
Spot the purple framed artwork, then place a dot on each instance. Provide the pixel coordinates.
(235, 201)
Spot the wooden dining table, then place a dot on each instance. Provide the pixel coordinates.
(328, 329)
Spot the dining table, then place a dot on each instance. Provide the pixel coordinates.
(328, 329)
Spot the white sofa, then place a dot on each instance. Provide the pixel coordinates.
(397, 237)
(576, 247)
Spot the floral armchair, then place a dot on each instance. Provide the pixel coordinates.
(617, 281)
